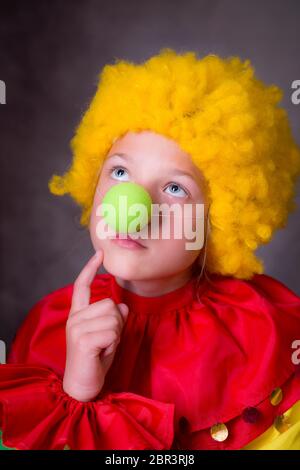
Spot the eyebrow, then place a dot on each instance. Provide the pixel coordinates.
(176, 172)
(183, 173)
(119, 154)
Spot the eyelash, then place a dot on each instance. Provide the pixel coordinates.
(180, 186)
(113, 168)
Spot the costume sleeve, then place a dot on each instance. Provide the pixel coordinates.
(288, 438)
(36, 412)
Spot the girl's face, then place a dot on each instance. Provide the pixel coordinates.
(169, 175)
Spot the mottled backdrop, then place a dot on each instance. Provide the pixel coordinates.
(51, 53)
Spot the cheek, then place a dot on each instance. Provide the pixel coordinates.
(187, 225)
(175, 251)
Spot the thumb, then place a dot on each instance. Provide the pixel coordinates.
(124, 310)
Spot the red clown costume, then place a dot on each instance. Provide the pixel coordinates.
(217, 371)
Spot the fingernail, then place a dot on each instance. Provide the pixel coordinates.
(125, 309)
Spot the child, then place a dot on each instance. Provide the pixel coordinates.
(169, 348)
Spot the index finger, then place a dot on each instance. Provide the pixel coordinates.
(81, 289)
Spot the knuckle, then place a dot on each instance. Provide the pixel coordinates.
(115, 322)
(114, 335)
(69, 323)
(109, 303)
(74, 331)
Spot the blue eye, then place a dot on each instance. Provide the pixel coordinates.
(177, 190)
(117, 173)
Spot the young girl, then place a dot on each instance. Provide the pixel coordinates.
(170, 348)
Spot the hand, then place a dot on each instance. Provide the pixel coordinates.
(93, 332)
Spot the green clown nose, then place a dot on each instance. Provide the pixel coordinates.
(130, 207)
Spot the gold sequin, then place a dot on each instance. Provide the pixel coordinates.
(282, 423)
(276, 396)
(219, 432)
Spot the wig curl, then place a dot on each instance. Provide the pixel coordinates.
(220, 113)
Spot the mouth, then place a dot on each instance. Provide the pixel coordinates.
(127, 242)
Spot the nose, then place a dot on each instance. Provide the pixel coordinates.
(125, 203)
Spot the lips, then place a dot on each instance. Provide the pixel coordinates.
(127, 237)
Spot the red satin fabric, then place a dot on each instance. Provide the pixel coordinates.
(181, 366)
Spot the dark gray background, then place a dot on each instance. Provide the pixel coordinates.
(51, 53)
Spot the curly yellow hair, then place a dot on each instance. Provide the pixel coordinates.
(222, 115)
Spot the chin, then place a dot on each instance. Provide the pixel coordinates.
(130, 273)
(123, 269)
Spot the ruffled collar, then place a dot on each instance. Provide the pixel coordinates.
(179, 298)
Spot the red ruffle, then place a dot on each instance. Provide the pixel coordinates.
(38, 414)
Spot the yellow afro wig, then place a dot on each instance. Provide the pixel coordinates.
(222, 115)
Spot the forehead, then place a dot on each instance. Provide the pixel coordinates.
(155, 149)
